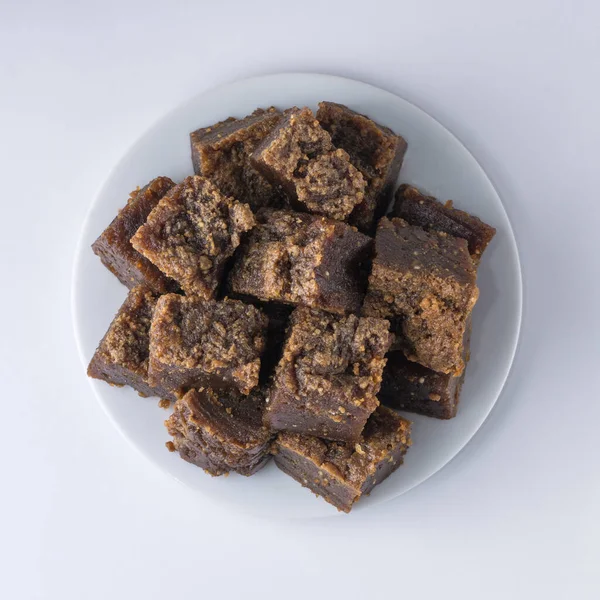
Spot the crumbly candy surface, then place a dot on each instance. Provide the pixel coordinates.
(303, 259)
(191, 234)
(427, 281)
(194, 341)
(299, 156)
(342, 472)
(126, 341)
(122, 355)
(376, 151)
(222, 153)
(329, 374)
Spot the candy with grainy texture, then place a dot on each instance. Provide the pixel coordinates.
(298, 155)
(191, 234)
(222, 154)
(122, 355)
(425, 283)
(344, 472)
(327, 380)
(202, 343)
(425, 211)
(376, 151)
(114, 244)
(221, 431)
(297, 258)
(409, 386)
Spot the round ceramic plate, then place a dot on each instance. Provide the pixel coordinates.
(436, 161)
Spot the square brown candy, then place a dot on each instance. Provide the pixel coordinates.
(191, 234)
(408, 386)
(344, 472)
(220, 431)
(122, 355)
(425, 282)
(327, 380)
(222, 153)
(298, 258)
(200, 343)
(376, 151)
(114, 246)
(298, 155)
(278, 316)
(425, 211)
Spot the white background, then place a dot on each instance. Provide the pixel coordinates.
(515, 515)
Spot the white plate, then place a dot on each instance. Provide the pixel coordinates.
(435, 161)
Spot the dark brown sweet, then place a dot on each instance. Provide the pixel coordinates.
(376, 151)
(425, 211)
(327, 380)
(298, 156)
(122, 355)
(279, 316)
(343, 472)
(408, 386)
(191, 234)
(221, 431)
(202, 343)
(222, 153)
(114, 247)
(424, 282)
(303, 259)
